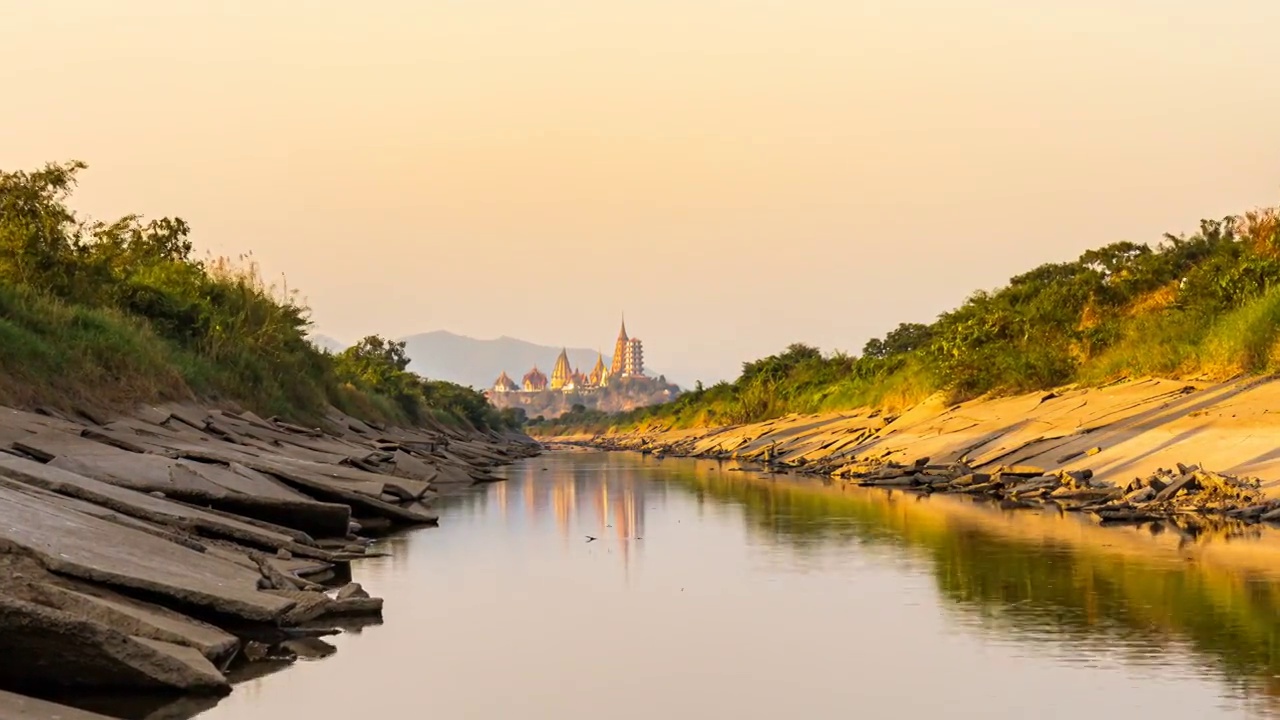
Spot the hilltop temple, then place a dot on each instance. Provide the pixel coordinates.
(627, 362)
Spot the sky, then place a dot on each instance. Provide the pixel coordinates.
(734, 176)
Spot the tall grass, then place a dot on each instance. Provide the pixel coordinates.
(1243, 340)
(52, 351)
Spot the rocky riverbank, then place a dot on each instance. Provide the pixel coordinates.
(1129, 452)
(170, 549)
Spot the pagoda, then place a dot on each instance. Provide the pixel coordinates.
(628, 355)
(599, 376)
(618, 367)
(562, 373)
(534, 380)
(505, 384)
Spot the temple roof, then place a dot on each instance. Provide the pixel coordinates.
(562, 368)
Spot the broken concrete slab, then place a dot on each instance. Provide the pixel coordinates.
(41, 647)
(72, 543)
(148, 507)
(323, 483)
(244, 493)
(142, 620)
(20, 707)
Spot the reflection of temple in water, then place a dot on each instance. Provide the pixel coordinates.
(605, 505)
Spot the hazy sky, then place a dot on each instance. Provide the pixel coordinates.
(734, 175)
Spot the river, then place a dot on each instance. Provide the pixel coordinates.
(712, 593)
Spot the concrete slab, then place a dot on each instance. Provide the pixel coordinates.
(20, 707)
(78, 545)
(143, 620)
(148, 507)
(41, 647)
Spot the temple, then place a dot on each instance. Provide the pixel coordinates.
(628, 355)
(505, 384)
(627, 363)
(561, 374)
(534, 380)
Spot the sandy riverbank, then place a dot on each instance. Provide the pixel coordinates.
(165, 550)
(1113, 435)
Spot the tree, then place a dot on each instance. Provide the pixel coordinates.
(903, 339)
(380, 365)
(40, 236)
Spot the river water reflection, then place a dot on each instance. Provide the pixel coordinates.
(708, 593)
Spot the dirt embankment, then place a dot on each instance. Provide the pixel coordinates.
(1131, 451)
(172, 549)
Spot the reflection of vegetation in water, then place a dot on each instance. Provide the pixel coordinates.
(1043, 588)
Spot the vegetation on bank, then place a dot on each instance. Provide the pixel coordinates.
(107, 314)
(1205, 305)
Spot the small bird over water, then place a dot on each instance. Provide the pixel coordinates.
(589, 538)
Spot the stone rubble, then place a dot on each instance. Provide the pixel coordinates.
(784, 446)
(1163, 494)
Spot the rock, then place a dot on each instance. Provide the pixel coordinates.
(1080, 476)
(971, 479)
(1127, 515)
(309, 648)
(1141, 495)
(44, 647)
(19, 707)
(1186, 481)
(1025, 471)
(73, 543)
(255, 651)
(142, 620)
(352, 591)
(284, 554)
(141, 505)
(1038, 484)
(1069, 493)
(892, 481)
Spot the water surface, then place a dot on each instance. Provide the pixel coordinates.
(711, 593)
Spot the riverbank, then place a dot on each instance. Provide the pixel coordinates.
(166, 550)
(1130, 451)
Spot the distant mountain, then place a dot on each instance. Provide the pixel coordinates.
(442, 355)
(324, 342)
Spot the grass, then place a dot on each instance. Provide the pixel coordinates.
(54, 353)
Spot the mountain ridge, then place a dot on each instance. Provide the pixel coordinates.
(476, 362)
(446, 355)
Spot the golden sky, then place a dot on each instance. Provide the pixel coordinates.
(735, 176)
